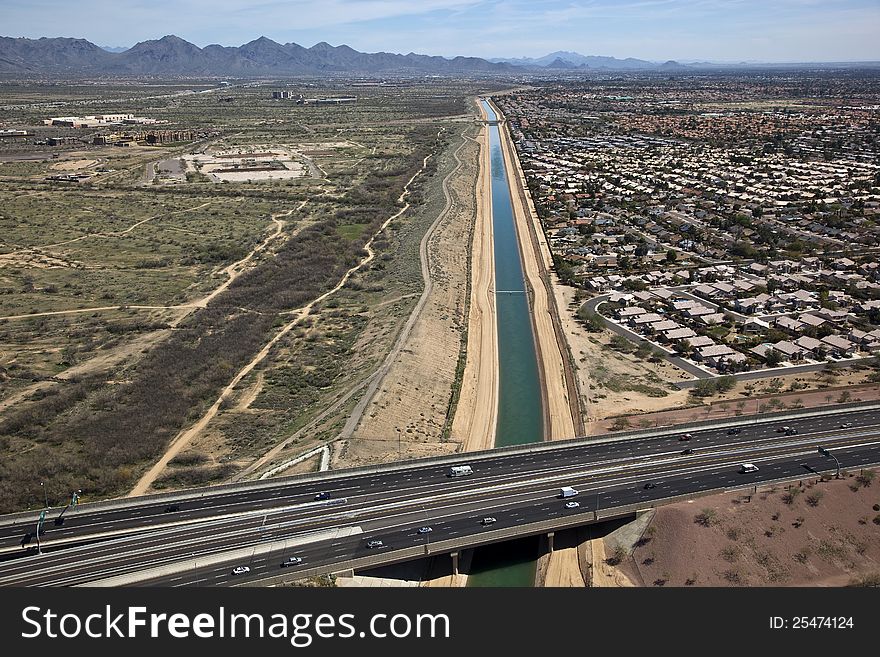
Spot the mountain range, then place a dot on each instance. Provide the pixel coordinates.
(564, 59)
(173, 56)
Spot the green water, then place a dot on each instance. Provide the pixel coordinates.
(520, 414)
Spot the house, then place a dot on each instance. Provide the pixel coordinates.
(683, 304)
(835, 316)
(750, 305)
(761, 350)
(839, 346)
(731, 361)
(665, 325)
(789, 350)
(811, 320)
(817, 348)
(679, 334)
(647, 318)
(700, 341)
(714, 318)
(754, 325)
(698, 311)
(788, 324)
(724, 289)
(712, 355)
(630, 311)
(798, 298)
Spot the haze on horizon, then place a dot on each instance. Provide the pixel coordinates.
(657, 30)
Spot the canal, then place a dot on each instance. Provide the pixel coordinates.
(520, 412)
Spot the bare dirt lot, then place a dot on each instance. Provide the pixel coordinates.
(819, 533)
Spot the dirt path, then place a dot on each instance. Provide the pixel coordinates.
(184, 438)
(236, 269)
(108, 235)
(477, 412)
(106, 359)
(232, 272)
(112, 358)
(407, 336)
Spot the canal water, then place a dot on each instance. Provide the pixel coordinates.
(520, 412)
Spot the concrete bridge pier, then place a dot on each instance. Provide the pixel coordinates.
(550, 536)
(454, 556)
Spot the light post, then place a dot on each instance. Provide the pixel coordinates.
(74, 500)
(45, 494)
(824, 452)
(39, 529)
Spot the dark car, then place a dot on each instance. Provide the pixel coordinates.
(685, 436)
(687, 451)
(171, 508)
(322, 496)
(650, 484)
(291, 561)
(734, 431)
(790, 431)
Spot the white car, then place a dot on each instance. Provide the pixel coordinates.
(240, 570)
(375, 544)
(425, 530)
(488, 521)
(572, 505)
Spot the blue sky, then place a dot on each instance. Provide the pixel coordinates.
(719, 30)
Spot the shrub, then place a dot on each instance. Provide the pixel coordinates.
(617, 556)
(706, 517)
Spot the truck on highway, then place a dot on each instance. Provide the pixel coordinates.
(567, 491)
(460, 470)
(748, 467)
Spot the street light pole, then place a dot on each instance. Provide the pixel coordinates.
(39, 529)
(45, 494)
(827, 454)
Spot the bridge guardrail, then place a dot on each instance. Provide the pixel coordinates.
(28, 517)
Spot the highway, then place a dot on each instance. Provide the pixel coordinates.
(259, 526)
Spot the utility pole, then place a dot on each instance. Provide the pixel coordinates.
(45, 494)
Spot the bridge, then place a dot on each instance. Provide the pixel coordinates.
(366, 517)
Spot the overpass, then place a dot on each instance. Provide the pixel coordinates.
(197, 537)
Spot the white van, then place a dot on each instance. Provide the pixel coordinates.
(567, 491)
(748, 467)
(460, 470)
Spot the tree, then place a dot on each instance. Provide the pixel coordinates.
(592, 321)
(773, 358)
(671, 256)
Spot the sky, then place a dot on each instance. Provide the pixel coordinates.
(657, 30)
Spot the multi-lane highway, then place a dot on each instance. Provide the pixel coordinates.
(197, 538)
